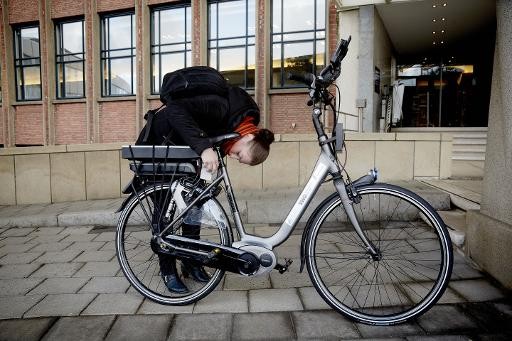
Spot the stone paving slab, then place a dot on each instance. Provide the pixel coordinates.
(323, 325)
(109, 304)
(52, 246)
(15, 306)
(95, 269)
(96, 256)
(16, 240)
(274, 300)
(60, 256)
(207, 327)
(17, 270)
(149, 307)
(18, 286)
(83, 328)
(401, 330)
(59, 286)
(476, 290)
(263, 326)
(311, 299)
(239, 282)
(223, 302)
(19, 258)
(57, 270)
(21, 330)
(106, 285)
(442, 318)
(137, 328)
(60, 305)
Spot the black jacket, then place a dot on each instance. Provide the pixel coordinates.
(190, 121)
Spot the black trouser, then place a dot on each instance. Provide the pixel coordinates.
(168, 263)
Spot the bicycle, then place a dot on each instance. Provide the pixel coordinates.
(376, 253)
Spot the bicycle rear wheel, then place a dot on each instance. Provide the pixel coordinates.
(412, 272)
(141, 266)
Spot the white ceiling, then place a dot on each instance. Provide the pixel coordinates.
(410, 26)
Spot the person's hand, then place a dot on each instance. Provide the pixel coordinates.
(210, 160)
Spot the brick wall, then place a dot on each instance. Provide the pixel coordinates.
(70, 123)
(117, 121)
(157, 2)
(29, 124)
(67, 8)
(114, 5)
(286, 109)
(2, 127)
(21, 11)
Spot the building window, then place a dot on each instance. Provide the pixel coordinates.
(298, 39)
(118, 55)
(27, 62)
(231, 36)
(171, 31)
(69, 57)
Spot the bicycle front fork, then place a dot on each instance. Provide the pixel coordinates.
(349, 209)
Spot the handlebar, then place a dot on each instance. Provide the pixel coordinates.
(329, 74)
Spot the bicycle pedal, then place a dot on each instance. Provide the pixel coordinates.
(283, 268)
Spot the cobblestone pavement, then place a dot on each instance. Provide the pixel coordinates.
(64, 283)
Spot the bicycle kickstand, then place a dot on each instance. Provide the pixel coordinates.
(283, 268)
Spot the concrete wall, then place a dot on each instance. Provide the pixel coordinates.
(490, 229)
(96, 171)
(370, 47)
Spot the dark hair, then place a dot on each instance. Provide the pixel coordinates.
(260, 146)
(264, 137)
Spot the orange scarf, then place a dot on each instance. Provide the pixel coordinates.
(246, 127)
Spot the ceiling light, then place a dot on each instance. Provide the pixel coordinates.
(433, 32)
(433, 43)
(442, 19)
(434, 6)
(434, 20)
(442, 41)
(444, 5)
(442, 31)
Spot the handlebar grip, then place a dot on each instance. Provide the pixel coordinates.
(305, 77)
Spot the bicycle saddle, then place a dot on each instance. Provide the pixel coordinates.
(218, 140)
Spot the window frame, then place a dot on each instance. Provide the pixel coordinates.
(105, 53)
(59, 54)
(18, 48)
(218, 40)
(282, 42)
(153, 46)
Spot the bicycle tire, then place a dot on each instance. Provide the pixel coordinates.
(416, 258)
(141, 265)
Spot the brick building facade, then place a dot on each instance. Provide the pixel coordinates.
(95, 118)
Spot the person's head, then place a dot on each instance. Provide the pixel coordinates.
(252, 149)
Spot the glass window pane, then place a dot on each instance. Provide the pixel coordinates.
(212, 21)
(276, 16)
(121, 76)
(320, 14)
(299, 36)
(155, 76)
(298, 58)
(72, 37)
(155, 29)
(188, 21)
(119, 34)
(233, 19)
(232, 65)
(299, 15)
(232, 42)
(212, 58)
(32, 82)
(251, 17)
(74, 82)
(30, 42)
(276, 65)
(171, 62)
(172, 26)
(320, 55)
(251, 65)
(188, 58)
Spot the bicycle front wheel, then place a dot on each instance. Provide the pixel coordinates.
(142, 267)
(414, 263)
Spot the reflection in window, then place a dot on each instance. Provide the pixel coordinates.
(171, 32)
(69, 38)
(298, 39)
(231, 35)
(27, 61)
(118, 55)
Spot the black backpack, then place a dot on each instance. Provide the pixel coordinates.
(192, 81)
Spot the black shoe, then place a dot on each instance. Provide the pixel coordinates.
(196, 272)
(174, 284)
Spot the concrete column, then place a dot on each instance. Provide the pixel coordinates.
(8, 86)
(366, 65)
(92, 70)
(490, 229)
(47, 46)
